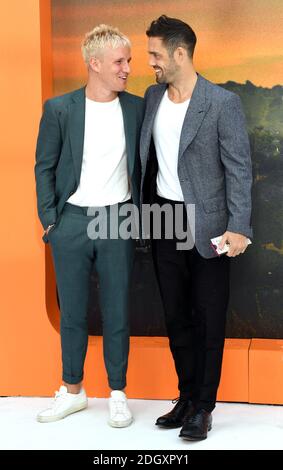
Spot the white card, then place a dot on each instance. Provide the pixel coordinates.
(215, 244)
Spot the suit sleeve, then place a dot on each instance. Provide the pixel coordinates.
(48, 151)
(236, 158)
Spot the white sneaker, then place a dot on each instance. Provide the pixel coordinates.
(120, 415)
(63, 405)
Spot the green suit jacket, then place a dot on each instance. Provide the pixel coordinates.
(59, 150)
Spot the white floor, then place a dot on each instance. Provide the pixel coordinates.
(235, 426)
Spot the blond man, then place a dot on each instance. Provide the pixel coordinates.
(87, 157)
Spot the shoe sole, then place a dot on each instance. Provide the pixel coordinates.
(169, 427)
(50, 419)
(120, 424)
(196, 438)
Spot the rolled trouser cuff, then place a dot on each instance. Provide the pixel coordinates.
(69, 379)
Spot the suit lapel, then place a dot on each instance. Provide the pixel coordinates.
(77, 128)
(151, 110)
(130, 124)
(196, 111)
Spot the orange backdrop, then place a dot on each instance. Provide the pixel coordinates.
(30, 343)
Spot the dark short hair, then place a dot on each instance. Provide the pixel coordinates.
(174, 33)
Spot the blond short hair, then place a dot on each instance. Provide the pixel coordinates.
(101, 36)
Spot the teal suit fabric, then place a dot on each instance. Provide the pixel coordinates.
(59, 156)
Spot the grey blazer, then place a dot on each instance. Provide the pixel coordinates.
(214, 163)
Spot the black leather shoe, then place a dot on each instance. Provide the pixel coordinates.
(175, 418)
(196, 426)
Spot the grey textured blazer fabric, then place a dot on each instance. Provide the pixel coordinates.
(214, 163)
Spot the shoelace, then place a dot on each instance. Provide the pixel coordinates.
(193, 419)
(59, 396)
(119, 406)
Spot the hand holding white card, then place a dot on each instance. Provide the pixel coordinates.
(215, 242)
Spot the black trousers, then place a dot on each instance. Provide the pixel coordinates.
(195, 294)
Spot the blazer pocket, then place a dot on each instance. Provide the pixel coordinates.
(214, 204)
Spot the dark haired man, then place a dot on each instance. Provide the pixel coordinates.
(194, 150)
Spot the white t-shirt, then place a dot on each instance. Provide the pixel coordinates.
(104, 173)
(166, 134)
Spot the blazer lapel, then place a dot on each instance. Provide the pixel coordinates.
(77, 127)
(151, 110)
(196, 111)
(130, 125)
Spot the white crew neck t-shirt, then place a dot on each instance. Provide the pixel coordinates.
(104, 173)
(166, 135)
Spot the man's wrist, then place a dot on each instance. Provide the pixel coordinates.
(49, 227)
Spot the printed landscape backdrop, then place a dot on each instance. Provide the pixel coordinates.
(239, 47)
